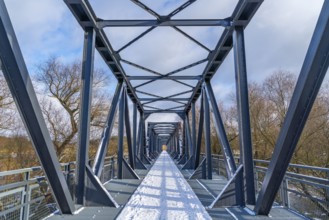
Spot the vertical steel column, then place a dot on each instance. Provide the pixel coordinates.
(207, 134)
(174, 142)
(189, 138)
(200, 131)
(157, 143)
(193, 128)
(86, 96)
(243, 113)
(153, 142)
(21, 88)
(135, 129)
(177, 144)
(142, 138)
(121, 133)
(309, 82)
(221, 134)
(150, 140)
(139, 136)
(103, 146)
(184, 153)
(128, 134)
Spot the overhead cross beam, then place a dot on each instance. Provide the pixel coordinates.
(87, 18)
(242, 15)
(164, 77)
(163, 22)
(167, 98)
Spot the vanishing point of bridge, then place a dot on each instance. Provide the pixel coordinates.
(181, 179)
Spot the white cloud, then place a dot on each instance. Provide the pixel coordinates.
(45, 28)
(208, 9)
(164, 50)
(118, 9)
(277, 37)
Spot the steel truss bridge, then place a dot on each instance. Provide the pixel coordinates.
(145, 140)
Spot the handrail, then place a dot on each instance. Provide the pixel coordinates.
(295, 186)
(18, 196)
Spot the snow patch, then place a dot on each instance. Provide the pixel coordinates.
(164, 194)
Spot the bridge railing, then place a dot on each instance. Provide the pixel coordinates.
(25, 193)
(304, 189)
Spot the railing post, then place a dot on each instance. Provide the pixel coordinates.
(256, 177)
(327, 190)
(71, 185)
(284, 193)
(26, 198)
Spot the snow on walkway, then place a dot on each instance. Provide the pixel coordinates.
(164, 194)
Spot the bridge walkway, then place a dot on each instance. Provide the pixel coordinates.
(165, 192)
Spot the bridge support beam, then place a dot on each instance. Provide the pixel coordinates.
(84, 128)
(193, 127)
(207, 134)
(134, 142)
(131, 151)
(309, 82)
(199, 140)
(21, 88)
(220, 130)
(120, 133)
(103, 146)
(243, 113)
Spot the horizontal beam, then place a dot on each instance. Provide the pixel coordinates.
(84, 14)
(164, 130)
(164, 99)
(241, 16)
(164, 22)
(164, 77)
(163, 123)
(164, 111)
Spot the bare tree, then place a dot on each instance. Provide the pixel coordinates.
(61, 83)
(7, 108)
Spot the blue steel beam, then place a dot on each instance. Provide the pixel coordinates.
(103, 146)
(242, 14)
(164, 77)
(20, 85)
(85, 107)
(189, 137)
(121, 133)
(199, 140)
(164, 22)
(220, 130)
(243, 113)
(193, 128)
(207, 134)
(309, 82)
(86, 17)
(146, 8)
(180, 8)
(134, 130)
(128, 135)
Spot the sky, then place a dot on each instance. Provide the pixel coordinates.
(276, 38)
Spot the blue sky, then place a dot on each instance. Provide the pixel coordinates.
(277, 37)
